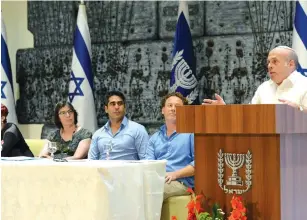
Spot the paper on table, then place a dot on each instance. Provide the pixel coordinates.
(77, 160)
(18, 158)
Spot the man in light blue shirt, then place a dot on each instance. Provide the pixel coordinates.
(177, 149)
(120, 138)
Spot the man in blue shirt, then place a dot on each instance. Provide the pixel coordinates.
(177, 149)
(120, 138)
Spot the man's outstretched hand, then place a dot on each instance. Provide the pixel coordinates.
(219, 101)
(292, 104)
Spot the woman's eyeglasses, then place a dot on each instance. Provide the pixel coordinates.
(69, 112)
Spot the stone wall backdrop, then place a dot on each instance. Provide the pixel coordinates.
(132, 45)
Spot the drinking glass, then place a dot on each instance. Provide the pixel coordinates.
(52, 148)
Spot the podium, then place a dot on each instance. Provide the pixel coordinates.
(257, 151)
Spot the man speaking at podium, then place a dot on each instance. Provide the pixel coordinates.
(286, 85)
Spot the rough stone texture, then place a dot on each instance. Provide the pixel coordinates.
(136, 62)
(224, 18)
(113, 21)
(168, 13)
(53, 23)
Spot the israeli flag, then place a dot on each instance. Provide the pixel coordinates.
(81, 77)
(183, 75)
(7, 90)
(299, 42)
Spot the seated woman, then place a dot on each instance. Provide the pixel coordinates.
(73, 142)
(12, 141)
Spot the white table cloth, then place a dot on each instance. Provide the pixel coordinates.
(42, 189)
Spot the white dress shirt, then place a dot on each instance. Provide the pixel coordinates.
(293, 88)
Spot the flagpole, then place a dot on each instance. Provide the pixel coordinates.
(183, 7)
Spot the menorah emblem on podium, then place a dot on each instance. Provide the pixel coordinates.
(234, 162)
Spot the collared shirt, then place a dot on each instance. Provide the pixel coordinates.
(293, 89)
(177, 149)
(128, 143)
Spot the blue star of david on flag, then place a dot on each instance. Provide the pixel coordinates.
(78, 91)
(302, 70)
(3, 83)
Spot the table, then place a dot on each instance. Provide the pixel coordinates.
(42, 189)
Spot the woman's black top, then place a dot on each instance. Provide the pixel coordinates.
(13, 143)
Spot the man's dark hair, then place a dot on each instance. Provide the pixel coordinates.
(177, 94)
(60, 105)
(112, 93)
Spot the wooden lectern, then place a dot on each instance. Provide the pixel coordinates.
(275, 137)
